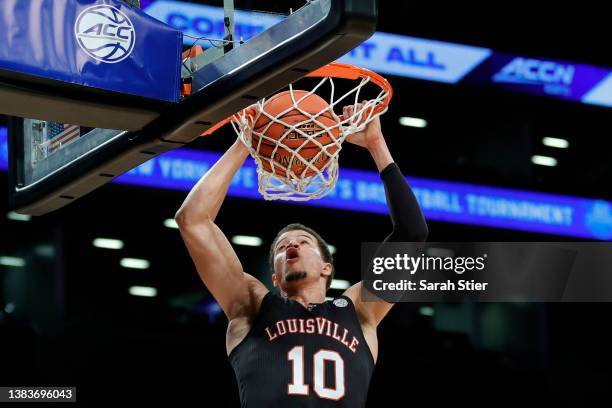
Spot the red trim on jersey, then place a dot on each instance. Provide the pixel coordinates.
(343, 375)
(295, 329)
(293, 372)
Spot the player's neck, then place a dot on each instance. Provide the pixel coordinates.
(307, 295)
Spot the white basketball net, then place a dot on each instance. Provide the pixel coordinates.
(296, 187)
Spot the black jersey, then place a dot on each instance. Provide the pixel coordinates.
(303, 357)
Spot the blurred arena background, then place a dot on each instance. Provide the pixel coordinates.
(137, 319)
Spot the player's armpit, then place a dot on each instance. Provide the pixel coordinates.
(371, 312)
(257, 291)
(218, 266)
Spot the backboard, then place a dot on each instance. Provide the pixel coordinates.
(52, 163)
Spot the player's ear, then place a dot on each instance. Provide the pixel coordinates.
(274, 280)
(327, 268)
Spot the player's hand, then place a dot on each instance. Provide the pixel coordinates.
(369, 137)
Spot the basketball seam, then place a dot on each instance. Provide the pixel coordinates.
(312, 147)
(270, 144)
(288, 116)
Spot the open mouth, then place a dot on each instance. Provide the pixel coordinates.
(292, 255)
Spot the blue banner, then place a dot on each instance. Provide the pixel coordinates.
(102, 44)
(418, 58)
(559, 79)
(198, 20)
(359, 190)
(3, 148)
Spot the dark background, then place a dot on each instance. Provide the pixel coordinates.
(68, 319)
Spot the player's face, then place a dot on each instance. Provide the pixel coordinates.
(297, 259)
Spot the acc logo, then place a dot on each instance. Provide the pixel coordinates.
(340, 302)
(105, 33)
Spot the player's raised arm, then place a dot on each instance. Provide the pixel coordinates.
(212, 254)
(408, 222)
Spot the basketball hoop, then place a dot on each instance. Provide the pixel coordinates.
(283, 171)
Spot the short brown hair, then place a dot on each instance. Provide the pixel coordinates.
(323, 247)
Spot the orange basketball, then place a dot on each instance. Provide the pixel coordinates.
(293, 140)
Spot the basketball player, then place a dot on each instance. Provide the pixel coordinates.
(294, 349)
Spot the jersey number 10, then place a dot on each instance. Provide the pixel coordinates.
(297, 387)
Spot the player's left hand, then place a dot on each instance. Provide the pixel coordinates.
(369, 137)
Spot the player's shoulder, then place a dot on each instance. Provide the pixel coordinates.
(353, 293)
